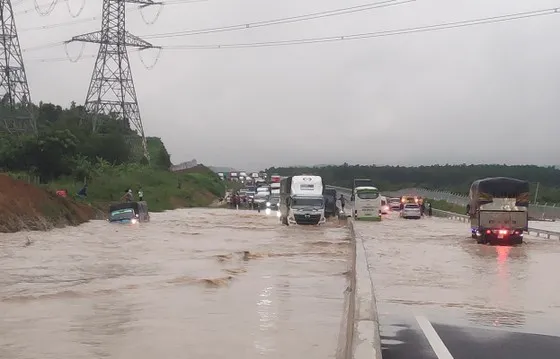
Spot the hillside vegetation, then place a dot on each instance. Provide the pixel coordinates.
(66, 154)
(453, 178)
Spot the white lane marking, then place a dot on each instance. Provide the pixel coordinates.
(433, 338)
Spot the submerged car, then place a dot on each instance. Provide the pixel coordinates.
(411, 211)
(129, 212)
(273, 203)
(395, 204)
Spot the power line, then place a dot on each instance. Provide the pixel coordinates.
(361, 36)
(244, 26)
(367, 35)
(51, 6)
(285, 20)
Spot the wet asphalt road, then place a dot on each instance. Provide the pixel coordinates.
(440, 295)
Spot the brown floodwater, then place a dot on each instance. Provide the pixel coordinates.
(200, 283)
(433, 266)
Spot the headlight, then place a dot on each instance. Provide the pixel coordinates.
(133, 221)
(268, 204)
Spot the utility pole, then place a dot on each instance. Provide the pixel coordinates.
(15, 100)
(111, 91)
(537, 192)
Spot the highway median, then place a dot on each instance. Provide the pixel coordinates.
(363, 335)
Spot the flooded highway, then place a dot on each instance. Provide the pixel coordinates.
(432, 268)
(199, 282)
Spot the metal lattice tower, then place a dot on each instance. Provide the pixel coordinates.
(15, 100)
(111, 90)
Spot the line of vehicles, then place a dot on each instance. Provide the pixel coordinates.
(498, 208)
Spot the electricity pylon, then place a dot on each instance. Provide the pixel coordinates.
(15, 100)
(111, 91)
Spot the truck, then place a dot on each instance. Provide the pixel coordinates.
(330, 202)
(275, 188)
(275, 179)
(301, 200)
(499, 209)
(360, 182)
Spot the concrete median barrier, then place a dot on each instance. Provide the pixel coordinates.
(363, 337)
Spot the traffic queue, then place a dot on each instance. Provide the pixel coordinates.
(304, 199)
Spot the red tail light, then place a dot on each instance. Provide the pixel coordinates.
(503, 231)
(488, 231)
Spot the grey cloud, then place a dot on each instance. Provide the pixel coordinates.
(476, 94)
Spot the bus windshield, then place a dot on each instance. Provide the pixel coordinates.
(368, 194)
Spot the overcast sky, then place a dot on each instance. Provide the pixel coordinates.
(479, 94)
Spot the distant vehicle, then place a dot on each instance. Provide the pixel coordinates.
(129, 212)
(273, 202)
(409, 199)
(395, 203)
(329, 194)
(385, 209)
(260, 199)
(499, 209)
(360, 182)
(411, 210)
(275, 179)
(367, 203)
(301, 200)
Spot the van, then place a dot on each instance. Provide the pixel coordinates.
(129, 212)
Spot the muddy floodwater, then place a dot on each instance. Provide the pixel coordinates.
(432, 266)
(194, 283)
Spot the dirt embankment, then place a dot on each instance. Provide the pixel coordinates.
(26, 207)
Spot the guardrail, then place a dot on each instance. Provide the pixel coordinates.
(464, 218)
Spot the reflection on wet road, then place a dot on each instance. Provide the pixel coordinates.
(203, 283)
(432, 268)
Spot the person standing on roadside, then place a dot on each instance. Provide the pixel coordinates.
(140, 194)
(342, 201)
(128, 197)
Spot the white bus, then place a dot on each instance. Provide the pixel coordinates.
(367, 203)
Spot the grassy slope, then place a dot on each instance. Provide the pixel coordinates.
(163, 190)
(446, 206)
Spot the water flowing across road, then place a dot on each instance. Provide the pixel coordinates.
(200, 283)
(481, 298)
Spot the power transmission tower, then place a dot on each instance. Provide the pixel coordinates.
(15, 100)
(111, 91)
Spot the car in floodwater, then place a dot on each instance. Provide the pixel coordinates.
(129, 212)
(395, 204)
(273, 203)
(385, 209)
(411, 210)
